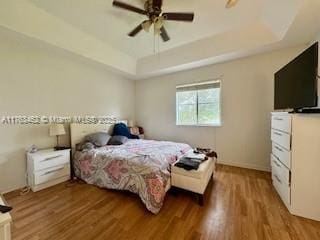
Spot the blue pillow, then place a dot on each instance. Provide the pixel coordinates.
(120, 129)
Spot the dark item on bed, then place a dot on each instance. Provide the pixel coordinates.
(207, 151)
(99, 139)
(5, 209)
(141, 130)
(117, 140)
(212, 154)
(120, 129)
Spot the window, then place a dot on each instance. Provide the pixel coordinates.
(198, 104)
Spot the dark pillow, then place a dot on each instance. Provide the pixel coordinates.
(86, 146)
(99, 139)
(117, 140)
(120, 129)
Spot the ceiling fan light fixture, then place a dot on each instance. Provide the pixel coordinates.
(231, 3)
(158, 23)
(146, 25)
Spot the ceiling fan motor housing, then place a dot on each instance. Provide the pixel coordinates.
(152, 11)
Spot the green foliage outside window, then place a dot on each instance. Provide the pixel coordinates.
(198, 107)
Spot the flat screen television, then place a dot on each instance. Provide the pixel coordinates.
(296, 84)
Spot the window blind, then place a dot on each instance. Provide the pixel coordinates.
(198, 86)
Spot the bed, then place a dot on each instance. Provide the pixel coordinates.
(139, 166)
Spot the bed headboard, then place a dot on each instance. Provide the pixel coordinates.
(79, 131)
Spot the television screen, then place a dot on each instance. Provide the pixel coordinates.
(296, 83)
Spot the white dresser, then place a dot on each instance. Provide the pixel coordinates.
(5, 221)
(295, 162)
(47, 168)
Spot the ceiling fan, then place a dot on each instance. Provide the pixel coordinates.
(153, 10)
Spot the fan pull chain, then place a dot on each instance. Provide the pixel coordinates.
(158, 46)
(154, 39)
(156, 42)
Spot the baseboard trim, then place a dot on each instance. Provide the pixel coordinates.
(246, 165)
(11, 189)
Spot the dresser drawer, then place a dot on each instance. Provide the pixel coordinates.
(281, 138)
(283, 190)
(282, 154)
(281, 122)
(281, 179)
(51, 174)
(280, 170)
(50, 160)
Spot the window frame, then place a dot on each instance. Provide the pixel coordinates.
(197, 106)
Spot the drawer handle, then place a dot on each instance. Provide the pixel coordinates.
(277, 133)
(278, 179)
(50, 158)
(278, 119)
(277, 164)
(279, 149)
(56, 170)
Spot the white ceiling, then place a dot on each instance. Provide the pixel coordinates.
(100, 19)
(95, 30)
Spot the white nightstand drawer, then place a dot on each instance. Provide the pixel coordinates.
(281, 122)
(51, 159)
(282, 154)
(47, 168)
(51, 174)
(280, 170)
(281, 138)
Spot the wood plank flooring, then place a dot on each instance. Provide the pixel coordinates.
(239, 204)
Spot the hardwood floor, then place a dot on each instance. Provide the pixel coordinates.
(240, 204)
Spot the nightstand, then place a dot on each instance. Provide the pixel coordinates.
(47, 168)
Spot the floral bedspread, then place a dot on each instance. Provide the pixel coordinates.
(139, 166)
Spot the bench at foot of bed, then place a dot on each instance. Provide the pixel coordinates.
(195, 180)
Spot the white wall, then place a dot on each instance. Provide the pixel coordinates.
(247, 100)
(36, 81)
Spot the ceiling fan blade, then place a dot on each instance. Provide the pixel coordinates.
(135, 31)
(179, 16)
(164, 35)
(128, 7)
